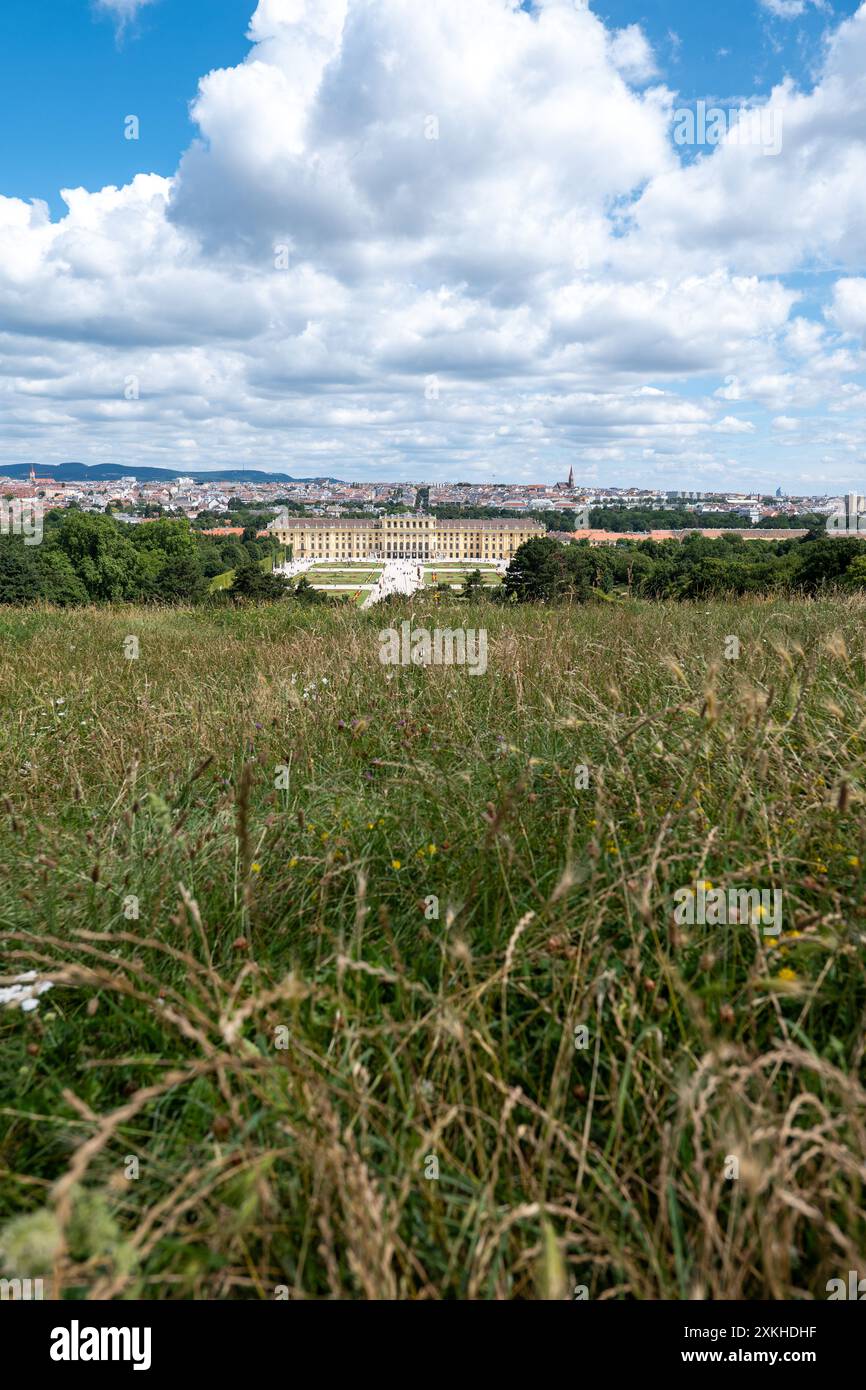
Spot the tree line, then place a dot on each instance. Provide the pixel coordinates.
(91, 558)
(544, 570)
(636, 519)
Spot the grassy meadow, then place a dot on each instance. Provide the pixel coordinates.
(323, 934)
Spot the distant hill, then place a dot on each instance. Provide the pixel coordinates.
(110, 472)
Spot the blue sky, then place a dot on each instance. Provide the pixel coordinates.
(68, 116)
(728, 50)
(296, 272)
(67, 113)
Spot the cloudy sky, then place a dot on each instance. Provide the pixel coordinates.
(458, 239)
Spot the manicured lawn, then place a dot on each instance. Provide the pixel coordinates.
(364, 574)
(454, 574)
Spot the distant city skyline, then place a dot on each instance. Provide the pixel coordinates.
(857, 481)
(566, 493)
(488, 241)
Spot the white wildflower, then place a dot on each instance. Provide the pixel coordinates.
(24, 992)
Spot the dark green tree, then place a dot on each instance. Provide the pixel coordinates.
(305, 593)
(251, 583)
(537, 572)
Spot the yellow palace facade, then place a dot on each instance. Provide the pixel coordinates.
(403, 537)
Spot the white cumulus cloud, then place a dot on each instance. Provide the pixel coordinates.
(450, 240)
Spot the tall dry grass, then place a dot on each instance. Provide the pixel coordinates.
(287, 1039)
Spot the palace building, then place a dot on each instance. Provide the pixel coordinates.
(413, 537)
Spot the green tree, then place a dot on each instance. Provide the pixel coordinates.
(825, 560)
(179, 579)
(171, 558)
(170, 535)
(102, 556)
(588, 572)
(305, 593)
(537, 571)
(250, 582)
(30, 574)
(855, 575)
